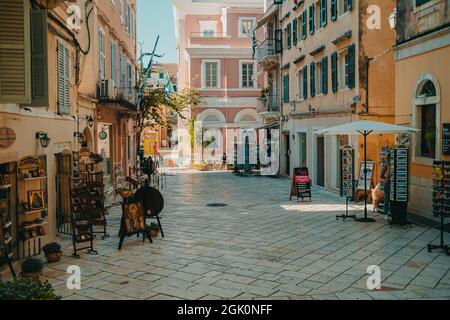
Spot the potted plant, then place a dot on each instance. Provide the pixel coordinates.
(31, 268)
(26, 289)
(154, 230)
(52, 252)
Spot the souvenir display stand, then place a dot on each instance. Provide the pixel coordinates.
(441, 199)
(383, 207)
(6, 217)
(301, 184)
(32, 213)
(347, 154)
(399, 184)
(82, 206)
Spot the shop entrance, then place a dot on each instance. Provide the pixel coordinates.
(288, 154)
(302, 150)
(63, 175)
(320, 165)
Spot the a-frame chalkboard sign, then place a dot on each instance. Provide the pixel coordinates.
(132, 222)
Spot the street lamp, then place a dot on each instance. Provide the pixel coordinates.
(393, 19)
(43, 138)
(79, 136)
(90, 121)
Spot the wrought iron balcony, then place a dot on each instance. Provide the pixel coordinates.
(268, 104)
(266, 54)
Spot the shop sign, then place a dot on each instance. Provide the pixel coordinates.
(446, 139)
(7, 137)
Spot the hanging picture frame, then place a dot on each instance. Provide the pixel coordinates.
(36, 199)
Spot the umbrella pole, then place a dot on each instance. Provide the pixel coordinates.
(365, 219)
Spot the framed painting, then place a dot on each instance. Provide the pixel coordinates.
(36, 199)
(133, 217)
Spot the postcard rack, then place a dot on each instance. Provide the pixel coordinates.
(441, 199)
(6, 219)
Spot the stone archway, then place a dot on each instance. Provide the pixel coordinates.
(88, 140)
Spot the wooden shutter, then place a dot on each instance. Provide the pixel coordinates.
(304, 25)
(334, 72)
(294, 31)
(311, 19)
(15, 80)
(63, 74)
(286, 88)
(323, 13)
(325, 75)
(313, 79)
(278, 41)
(333, 10)
(351, 66)
(39, 63)
(350, 4)
(305, 82)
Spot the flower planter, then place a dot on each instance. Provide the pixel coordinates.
(31, 275)
(154, 233)
(53, 257)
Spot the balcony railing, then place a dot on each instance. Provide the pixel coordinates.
(265, 49)
(268, 104)
(209, 35)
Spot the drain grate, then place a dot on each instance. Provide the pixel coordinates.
(216, 205)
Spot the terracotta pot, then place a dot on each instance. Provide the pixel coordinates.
(31, 275)
(154, 233)
(53, 257)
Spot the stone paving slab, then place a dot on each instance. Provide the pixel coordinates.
(260, 246)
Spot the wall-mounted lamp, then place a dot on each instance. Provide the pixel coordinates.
(90, 121)
(43, 138)
(79, 136)
(393, 19)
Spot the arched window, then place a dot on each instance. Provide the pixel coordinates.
(426, 119)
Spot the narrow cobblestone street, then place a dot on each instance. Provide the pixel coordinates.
(259, 246)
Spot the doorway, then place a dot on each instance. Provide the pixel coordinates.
(302, 150)
(288, 154)
(320, 165)
(63, 175)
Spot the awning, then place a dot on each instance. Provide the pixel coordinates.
(365, 126)
(269, 14)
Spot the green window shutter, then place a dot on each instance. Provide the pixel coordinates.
(334, 71)
(63, 78)
(305, 82)
(304, 25)
(294, 31)
(313, 79)
(289, 35)
(333, 10)
(311, 19)
(351, 66)
(286, 88)
(323, 13)
(39, 63)
(15, 71)
(325, 75)
(350, 4)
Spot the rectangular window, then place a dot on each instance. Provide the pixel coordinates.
(286, 88)
(102, 54)
(304, 25)
(247, 75)
(289, 35)
(333, 9)
(428, 131)
(114, 63)
(63, 78)
(130, 78)
(123, 72)
(300, 84)
(323, 13)
(311, 19)
(247, 25)
(348, 5)
(343, 70)
(211, 74)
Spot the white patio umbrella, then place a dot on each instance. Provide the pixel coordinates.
(365, 127)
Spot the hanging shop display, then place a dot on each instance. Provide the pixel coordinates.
(399, 184)
(441, 199)
(362, 184)
(32, 205)
(347, 158)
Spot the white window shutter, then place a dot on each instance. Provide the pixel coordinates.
(63, 72)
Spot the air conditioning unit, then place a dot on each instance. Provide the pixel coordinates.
(106, 89)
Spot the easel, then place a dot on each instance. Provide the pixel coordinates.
(123, 228)
(346, 215)
(8, 257)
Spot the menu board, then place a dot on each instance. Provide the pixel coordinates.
(347, 177)
(446, 139)
(370, 167)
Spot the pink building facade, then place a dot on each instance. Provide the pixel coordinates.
(216, 58)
